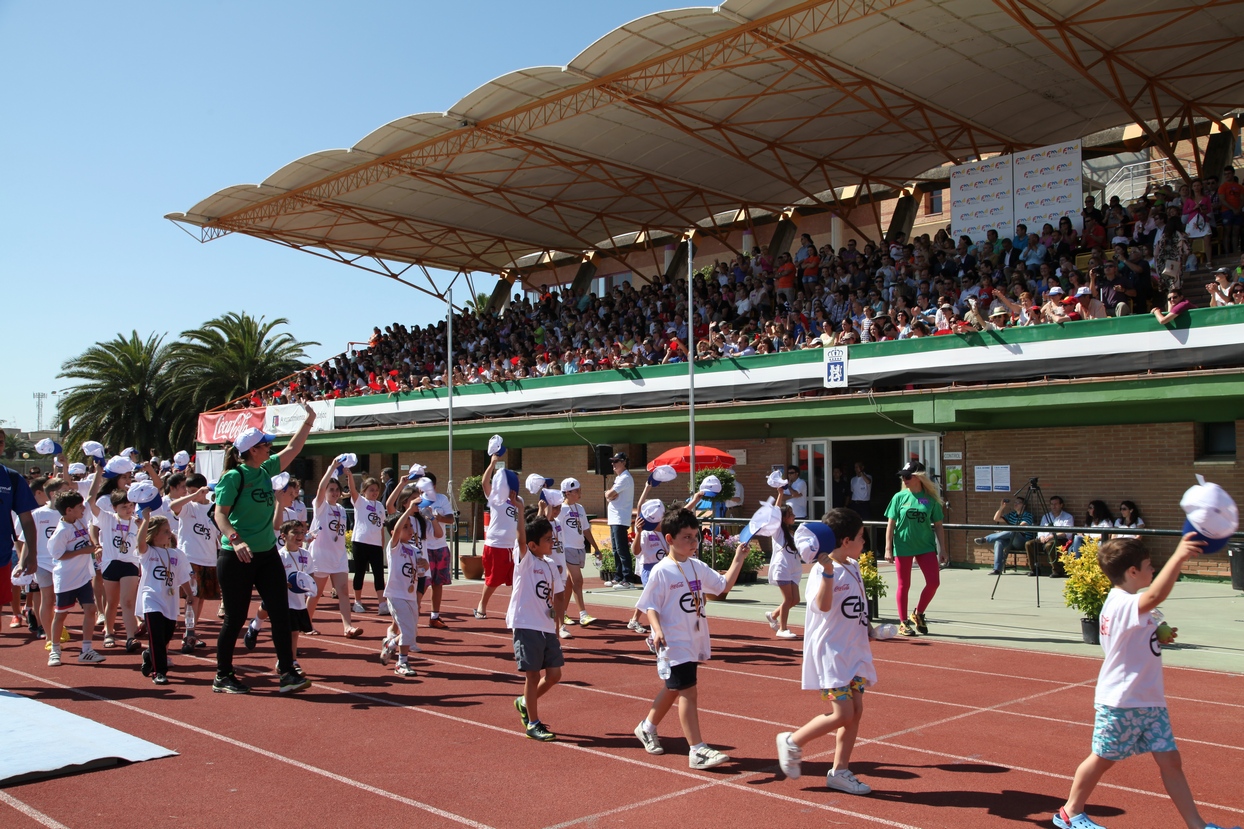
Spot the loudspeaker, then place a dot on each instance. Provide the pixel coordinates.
(604, 452)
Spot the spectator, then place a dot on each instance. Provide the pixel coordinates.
(796, 492)
(1129, 519)
(1048, 542)
(1097, 515)
(1219, 288)
(621, 502)
(1088, 306)
(1175, 305)
(1006, 541)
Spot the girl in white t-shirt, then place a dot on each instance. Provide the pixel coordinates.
(837, 659)
(296, 560)
(329, 559)
(164, 570)
(367, 544)
(785, 571)
(408, 566)
(116, 531)
(576, 536)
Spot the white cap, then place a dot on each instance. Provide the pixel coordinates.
(127, 451)
(20, 579)
(569, 485)
(535, 483)
(776, 480)
(279, 482)
(47, 446)
(652, 511)
(552, 497)
(93, 449)
(661, 475)
(766, 521)
(417, 471)
(300, 582)
(1083, 291)
(1055, 291)
(711, 485)
(496, 446)
(77, 469)
(1212, 514)
(182, 459)
(141, 476)
(813, 538)
(251, 438)
(165, 465)
(118, 466)
(425, 486)
(144, 494)
(349, 460)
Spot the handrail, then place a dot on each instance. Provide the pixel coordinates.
(1023, 528)
(262, 389)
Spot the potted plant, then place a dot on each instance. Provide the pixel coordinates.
(607, 564)
(472, 492)
(1086, 588)
(722, 548)
(874, 585)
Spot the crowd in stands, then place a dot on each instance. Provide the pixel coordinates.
(1131, 260)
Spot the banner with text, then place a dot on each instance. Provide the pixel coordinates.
(223, 427)
(981, 198)
(1049, 184)
(285, 420)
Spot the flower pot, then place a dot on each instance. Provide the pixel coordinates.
(1090, 630)
(874, 608)
(747, 577)
(472, 567)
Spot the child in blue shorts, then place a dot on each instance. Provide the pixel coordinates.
(1130, 699)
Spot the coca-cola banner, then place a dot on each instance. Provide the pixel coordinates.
(223, 427)
(285, 420)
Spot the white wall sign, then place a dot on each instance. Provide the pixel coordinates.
(982, 478)
(1049, 184)
(836, 367)
(952, 456)
(1002, 478)
(285, 420)
(981, 198)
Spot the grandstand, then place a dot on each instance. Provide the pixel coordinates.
(779, 155)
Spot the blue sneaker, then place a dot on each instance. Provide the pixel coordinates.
(1080, 821)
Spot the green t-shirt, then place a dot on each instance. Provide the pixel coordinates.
(249, 492)
(914, 516)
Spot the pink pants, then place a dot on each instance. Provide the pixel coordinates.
(932, 580)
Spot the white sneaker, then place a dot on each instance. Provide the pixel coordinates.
(790, 756)
(54, 659)
(563, 633)
(383, 610)
(91, 657)
(607, 583)
(637, 627)
(386, 651)
(787, 634)
(99, 618)
(706, 758)
(650, 741)
(357, 607)
(773, 623)
(844, 781)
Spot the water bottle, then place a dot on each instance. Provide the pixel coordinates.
(886, 631)
(663, 663)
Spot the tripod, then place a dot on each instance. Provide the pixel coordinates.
(1033, 496)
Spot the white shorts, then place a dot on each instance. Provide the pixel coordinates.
(43, 578)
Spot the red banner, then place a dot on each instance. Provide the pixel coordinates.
(223, 427)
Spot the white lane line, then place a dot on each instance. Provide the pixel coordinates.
(30, 812)
(271, 755)
(620, 809)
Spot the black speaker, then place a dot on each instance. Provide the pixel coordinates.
(604, 452)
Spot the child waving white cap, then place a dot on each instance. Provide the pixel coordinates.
(1211, 514)
(47, 446)
(144, 495)
(711, 485)
(661, 475)
(776, 480)
(652, 512)
(813, 538)
(765, 522)
(118, 466)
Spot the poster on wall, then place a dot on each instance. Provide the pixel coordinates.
(1002, 478)
(1049, 184)
(982, 478)
(954, 479)
(981, 198)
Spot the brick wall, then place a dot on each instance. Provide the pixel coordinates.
(1151, 464)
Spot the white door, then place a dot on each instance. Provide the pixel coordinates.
(927, 450)
(811, 458)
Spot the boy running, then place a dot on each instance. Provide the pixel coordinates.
(532, 617)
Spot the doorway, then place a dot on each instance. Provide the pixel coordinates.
(882, 459)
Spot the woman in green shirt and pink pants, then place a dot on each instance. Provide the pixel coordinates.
(914, 527)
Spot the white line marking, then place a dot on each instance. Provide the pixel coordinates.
(271, 755)
(620, 809)
(30, 812)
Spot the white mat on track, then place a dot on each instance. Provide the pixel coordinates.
(42, 740)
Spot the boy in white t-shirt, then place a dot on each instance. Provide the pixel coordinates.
(408, 566)
(73, 567)
(532, 617)
(674, 599)
(441, 514)
(501, 535)
(1130, 699)
(576, 540)
(837, 659)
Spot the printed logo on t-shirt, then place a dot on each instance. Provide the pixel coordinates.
(48, 532)
(408, 569)
(511, 512)
(372, 517)
(573, 521)
(852, 607)
(202, 531)
(336, 526)
(917, 515)
(263, 496)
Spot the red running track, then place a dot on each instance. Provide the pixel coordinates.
(954, 735)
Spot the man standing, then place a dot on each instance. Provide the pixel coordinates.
(621, 498)
(796, 492)
(387, 483)
(15, 499)
(1048, 542)
(840, 489)
(862, 492)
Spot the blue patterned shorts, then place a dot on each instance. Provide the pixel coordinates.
(1119, 733)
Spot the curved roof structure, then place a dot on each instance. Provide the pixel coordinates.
(681, 118)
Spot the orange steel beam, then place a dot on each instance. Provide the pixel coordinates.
(732, 46)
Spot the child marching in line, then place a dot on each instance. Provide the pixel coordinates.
(329, 560)
(674, 600)
(577, 538)
(837, 659)
(785, 571)
(368, 541)
(648, 546)
(73, 566)
(298, 576)
(1130, 698)
(406, 585)
(550, 508)
(164, 570)
(198, 541)
(504, 520)
(533, 619)
(117, 533)
(440, 514)
(46, 520)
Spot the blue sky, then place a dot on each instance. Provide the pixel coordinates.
(118, 113)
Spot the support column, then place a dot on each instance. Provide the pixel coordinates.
(500, 299)
(904, 218)
(584, 276)
(784, 235)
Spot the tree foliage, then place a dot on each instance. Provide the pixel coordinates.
(143, 393)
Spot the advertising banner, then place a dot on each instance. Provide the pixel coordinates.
(223, 427)
(981, 198)
(285, 420)
(1049, 184)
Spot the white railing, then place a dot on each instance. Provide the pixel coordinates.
(1131, 181)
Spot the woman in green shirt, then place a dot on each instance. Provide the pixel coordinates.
(248, 559)
(913, 530)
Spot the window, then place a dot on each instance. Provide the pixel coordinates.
(1218, 440)
(933, 202)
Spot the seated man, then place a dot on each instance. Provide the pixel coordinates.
(1049, 542)
(1008, 540)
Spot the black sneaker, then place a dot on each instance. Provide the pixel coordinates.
(147, 663)
(539, 731)
(293, 681)
(32, 621)
(250, 637)
(228, 684)
(132, 645)
(160, 679)
(917, 619)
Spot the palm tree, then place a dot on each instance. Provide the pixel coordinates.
(223, 359)
(119, 399)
